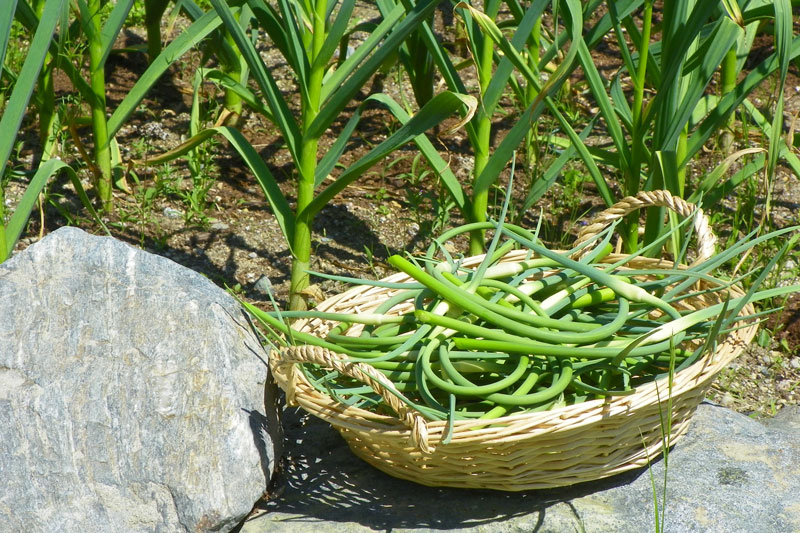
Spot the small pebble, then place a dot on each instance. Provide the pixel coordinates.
(795, 363)
(171, 212)
(726, 400)
(219, 226)
(263, 286)
(252, 255)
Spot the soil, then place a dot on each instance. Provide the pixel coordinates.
(235, 241)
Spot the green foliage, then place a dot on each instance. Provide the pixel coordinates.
(430, 204)
(11, 227)
(657, 111)
(495, 73)
(307, 35)
(660, 126)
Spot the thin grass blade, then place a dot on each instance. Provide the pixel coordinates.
(28, 18)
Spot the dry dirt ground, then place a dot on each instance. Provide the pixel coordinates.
(235, 241)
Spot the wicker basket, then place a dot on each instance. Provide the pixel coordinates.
(568, 445)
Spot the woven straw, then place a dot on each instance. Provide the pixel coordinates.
(563, 446)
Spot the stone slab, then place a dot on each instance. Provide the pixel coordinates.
(728, 474)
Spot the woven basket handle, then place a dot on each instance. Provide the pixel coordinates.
(367, 375)
(706, 240)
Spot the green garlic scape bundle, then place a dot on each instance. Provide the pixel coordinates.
(529, 328)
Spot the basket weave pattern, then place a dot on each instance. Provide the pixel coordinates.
(537, 450)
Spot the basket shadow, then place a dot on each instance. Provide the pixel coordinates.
(324, 482)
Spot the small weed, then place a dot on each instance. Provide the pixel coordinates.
(140, 212)
(572, 191)
(370, 257)
(425, 200)
(380, 196)
(237, 289)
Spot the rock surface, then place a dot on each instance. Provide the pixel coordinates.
(131, 394)
(728, 474)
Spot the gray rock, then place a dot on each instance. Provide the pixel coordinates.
(263, 286)
(131, 394)
(728, 474)
(171, 212)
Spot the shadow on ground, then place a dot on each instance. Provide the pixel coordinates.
(324, 482)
